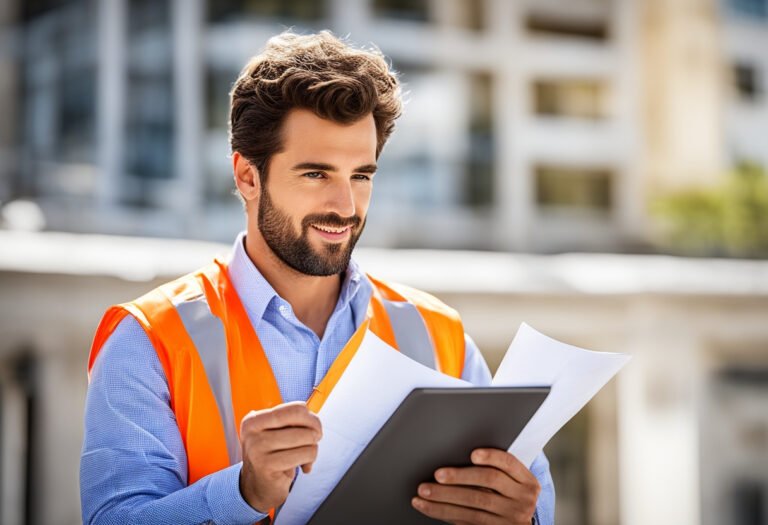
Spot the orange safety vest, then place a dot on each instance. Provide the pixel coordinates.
(216, 368)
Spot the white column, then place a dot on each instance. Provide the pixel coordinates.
(189, 122)
(512, 194)
(110, 115)
(658, 419)
(630, 196)
(56, 491)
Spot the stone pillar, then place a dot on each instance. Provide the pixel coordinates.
(111, 103)
(628, 111)
(658, 418)
(513, 194)
(189, 124)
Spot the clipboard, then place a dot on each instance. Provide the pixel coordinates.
(432, 428)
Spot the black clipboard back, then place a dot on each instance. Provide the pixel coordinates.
(432, 428)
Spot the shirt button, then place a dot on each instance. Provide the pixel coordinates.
(283, 310)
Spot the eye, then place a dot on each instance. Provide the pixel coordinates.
(314, 175)
(362, 177)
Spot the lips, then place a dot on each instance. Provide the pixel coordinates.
(330, 229)
(332, 233)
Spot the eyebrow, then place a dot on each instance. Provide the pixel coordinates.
(321, 166)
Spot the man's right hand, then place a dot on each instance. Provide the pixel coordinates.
(275, 442)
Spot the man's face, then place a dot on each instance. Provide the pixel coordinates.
(313, 206)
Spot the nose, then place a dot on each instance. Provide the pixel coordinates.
(342, 198)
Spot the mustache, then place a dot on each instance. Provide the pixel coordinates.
(331, 219)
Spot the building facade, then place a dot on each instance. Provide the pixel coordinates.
(527, 125)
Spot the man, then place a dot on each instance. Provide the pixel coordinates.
(203, 393)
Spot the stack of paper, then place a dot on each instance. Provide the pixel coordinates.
(378, 378)
(574, 374)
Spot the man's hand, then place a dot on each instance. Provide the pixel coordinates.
(497, 490)
(275, 442)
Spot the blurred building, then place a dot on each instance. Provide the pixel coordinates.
(705, 72)
(532, 125)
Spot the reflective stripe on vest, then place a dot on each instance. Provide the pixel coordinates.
(411, 333)
(207, 332)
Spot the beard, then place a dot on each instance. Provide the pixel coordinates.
(295, 250)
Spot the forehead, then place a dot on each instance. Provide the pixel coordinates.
(310, 137)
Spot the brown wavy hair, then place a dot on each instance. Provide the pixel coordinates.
(318, 72)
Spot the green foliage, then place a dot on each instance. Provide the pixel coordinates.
(730, 219)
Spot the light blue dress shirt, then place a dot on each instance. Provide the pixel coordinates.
(133, 467)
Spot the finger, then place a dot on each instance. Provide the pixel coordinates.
(455, 513)
(486, 477)
(294, 414)
(503, 460)
(470, 497)
(287, 438)
(290, 459)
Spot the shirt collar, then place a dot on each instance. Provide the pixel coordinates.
(257, 294)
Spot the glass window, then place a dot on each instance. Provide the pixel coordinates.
(756, 8)
(480, 164)
(409, 171)
(77, 114)
(568, 455)
(218, 85)
(746, 81)
(219, 185)
(34, 8)
(468, 14)
(149, 123)
(58, 111)
(148, 15)
(150, 105)
(413, 10)
(563, 25)
(474, 11)
(572, 98)
(295, 10)
(573, 187)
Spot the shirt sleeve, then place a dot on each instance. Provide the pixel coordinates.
(133, 467)
(476, 371)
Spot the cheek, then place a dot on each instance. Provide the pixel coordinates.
(293, 203)
(363, 199)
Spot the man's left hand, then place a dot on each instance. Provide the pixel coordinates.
(498, 489)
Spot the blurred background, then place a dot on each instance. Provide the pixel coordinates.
(596, 168)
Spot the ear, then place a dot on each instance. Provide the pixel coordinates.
(246, 177)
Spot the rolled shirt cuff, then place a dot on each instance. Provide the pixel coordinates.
(225, 501)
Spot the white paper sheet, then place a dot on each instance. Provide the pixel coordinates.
(574, 374)
(374, 384)
(378, 378)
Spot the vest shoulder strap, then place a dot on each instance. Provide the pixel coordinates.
(442, 322)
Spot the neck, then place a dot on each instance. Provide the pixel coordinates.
(312, 298)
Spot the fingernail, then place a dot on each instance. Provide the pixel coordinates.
(440, 475)
(478, 455)
(416, 502)
(424, 490)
